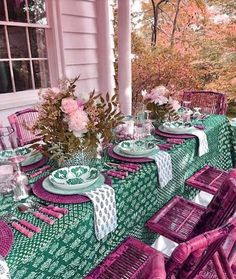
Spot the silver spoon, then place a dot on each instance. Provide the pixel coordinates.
(25, 208)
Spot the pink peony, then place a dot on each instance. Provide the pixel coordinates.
(174, 103)
(159, 99)
(158, 95)
(80, 104)
(160, 90)
(69, 105)
(77, 122)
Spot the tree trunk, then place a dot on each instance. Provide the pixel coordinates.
(175, 23)
(155, 8)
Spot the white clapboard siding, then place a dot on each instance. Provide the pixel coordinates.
(75, 24)
(79, 8)
(84, 71)
(80, 56)
(85, 87)
(79, 42)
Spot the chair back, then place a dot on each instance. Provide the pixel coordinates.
(209, 102)
(221, 207)
(19, 121)
(191, 257)
(129, 260)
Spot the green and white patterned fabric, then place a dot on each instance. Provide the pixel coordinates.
(69, 248)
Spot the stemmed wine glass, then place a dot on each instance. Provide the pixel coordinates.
(17, 181)
(148, 125)
(7, 144)
(186, 112)
(197, 113)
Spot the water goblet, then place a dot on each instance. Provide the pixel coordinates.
(6, 178)
(7, 145)
(149, 128)
(7, 138)
(197, 113)
(20, 179)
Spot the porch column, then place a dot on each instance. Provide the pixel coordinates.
(124, 56)
(105, 46)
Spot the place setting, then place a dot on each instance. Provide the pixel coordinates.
(143, 148)
(69, 184)
(29, 157)
(189, 125)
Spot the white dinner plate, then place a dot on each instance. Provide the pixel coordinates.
(35, 158)
(118, 151)
(176, 130)
(137, 147)
(48, 186)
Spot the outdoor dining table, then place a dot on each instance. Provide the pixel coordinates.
(69, 248)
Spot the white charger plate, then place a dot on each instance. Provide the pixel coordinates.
(31, 157)
(176, 130)
(118, 151)
(48, 186)
(35, 158)
(127, 147)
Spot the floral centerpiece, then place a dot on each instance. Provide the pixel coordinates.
(68, 124)
(161, 104)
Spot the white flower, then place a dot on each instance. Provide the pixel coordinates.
(144, 93)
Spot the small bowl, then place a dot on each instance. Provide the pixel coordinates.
(137, 147)
(75, 177)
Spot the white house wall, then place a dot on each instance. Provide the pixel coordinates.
(79, 42)
(78, 49)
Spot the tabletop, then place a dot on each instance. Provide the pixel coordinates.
(69, 248)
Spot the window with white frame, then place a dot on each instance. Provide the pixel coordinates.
(23, 48)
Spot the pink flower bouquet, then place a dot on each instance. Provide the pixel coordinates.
(160, 103)
(68, 124)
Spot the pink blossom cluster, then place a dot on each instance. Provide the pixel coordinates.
(76, 117)
(160, 96)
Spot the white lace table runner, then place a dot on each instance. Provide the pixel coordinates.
(164, 166)
(104, 204)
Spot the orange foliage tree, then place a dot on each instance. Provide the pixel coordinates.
(190, 49)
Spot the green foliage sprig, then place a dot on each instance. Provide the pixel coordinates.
(58, 140)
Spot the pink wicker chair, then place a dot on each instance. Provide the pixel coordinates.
(19, 121)
(136, 260)
(194, 255)
(208, 179)
(209, 102)
(181, 219)
(128, 261)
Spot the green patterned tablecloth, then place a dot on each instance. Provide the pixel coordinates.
(69, 248)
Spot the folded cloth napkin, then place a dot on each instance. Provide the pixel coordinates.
(164, 166)
(203, 143)
(104, 204)
(4, 270)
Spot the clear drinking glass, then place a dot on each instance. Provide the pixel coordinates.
(7, 138)
(149, 128)
(197, 113)
(7, 145)
(186, 112)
